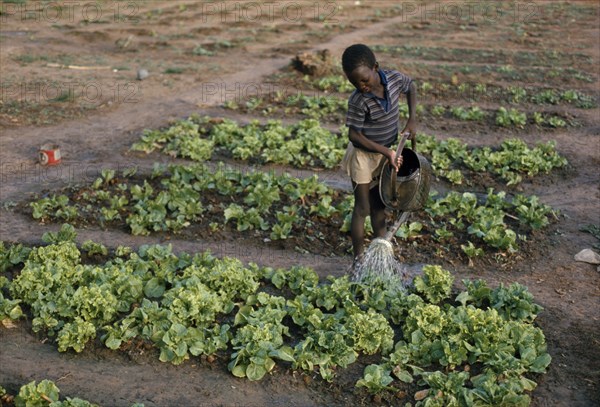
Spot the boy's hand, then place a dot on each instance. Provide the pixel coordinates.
(395, 161)
(410, 128)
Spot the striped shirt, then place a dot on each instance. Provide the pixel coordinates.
(375, 118)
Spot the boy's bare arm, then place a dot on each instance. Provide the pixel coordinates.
(411, 100)
(356, 137)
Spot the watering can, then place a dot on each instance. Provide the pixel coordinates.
(407, 189)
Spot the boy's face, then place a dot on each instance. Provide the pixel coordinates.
(364, 79)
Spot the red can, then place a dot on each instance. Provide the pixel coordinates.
(49, 154)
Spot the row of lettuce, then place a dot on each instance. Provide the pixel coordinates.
(332, 109)
(277, 206)
(307, 144)
(477, 346)
(325, 98)
(438, 89)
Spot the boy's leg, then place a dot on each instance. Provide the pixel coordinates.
(359, 214)
(377, 212)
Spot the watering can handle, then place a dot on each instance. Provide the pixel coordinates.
(403, 139)
(399, 151)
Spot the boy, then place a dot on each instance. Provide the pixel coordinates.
(372, 119)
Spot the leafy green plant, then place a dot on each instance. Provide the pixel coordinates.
(46, 393)
(57, 206)
(376, 379)
(337, 83)
(286, 220)
(325, 345)
(531, 211)
(509, 118)
(459, 112)
(246, 219)
(426, 86)
(517, 94)
(106, 178)
(75, 335)
(435, 284)
(371, 332)
(66, 233)
(260, 340)
(475, 113)
(180, 140)
(472, 114)
(476, 292)
(438, 110)
(253, 103)
(409, 231)
(556, 121)
(514, 302)
(442, 234)
(35, 393)
(471, 250)
(445, 389)
(549, 96)
(9, 308)
(92, 248)
(13, 255)
(201, 51)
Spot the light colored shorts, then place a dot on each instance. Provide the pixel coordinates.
(362, 166)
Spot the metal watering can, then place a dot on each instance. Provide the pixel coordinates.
(408, 189)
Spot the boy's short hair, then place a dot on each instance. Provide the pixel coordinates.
(357, 55)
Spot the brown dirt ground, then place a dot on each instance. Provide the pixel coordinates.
(107, 108)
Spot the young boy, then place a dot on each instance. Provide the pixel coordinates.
(372, 119)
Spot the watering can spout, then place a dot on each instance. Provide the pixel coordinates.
(392, 231)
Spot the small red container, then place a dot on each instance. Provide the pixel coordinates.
(49, 154)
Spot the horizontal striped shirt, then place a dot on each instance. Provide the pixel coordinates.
(375, 118)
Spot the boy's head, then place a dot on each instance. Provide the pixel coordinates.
(361, 67)
(357, 55)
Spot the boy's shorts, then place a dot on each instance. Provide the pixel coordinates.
(362, 166)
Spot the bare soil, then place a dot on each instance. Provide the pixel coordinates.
(71, 79)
